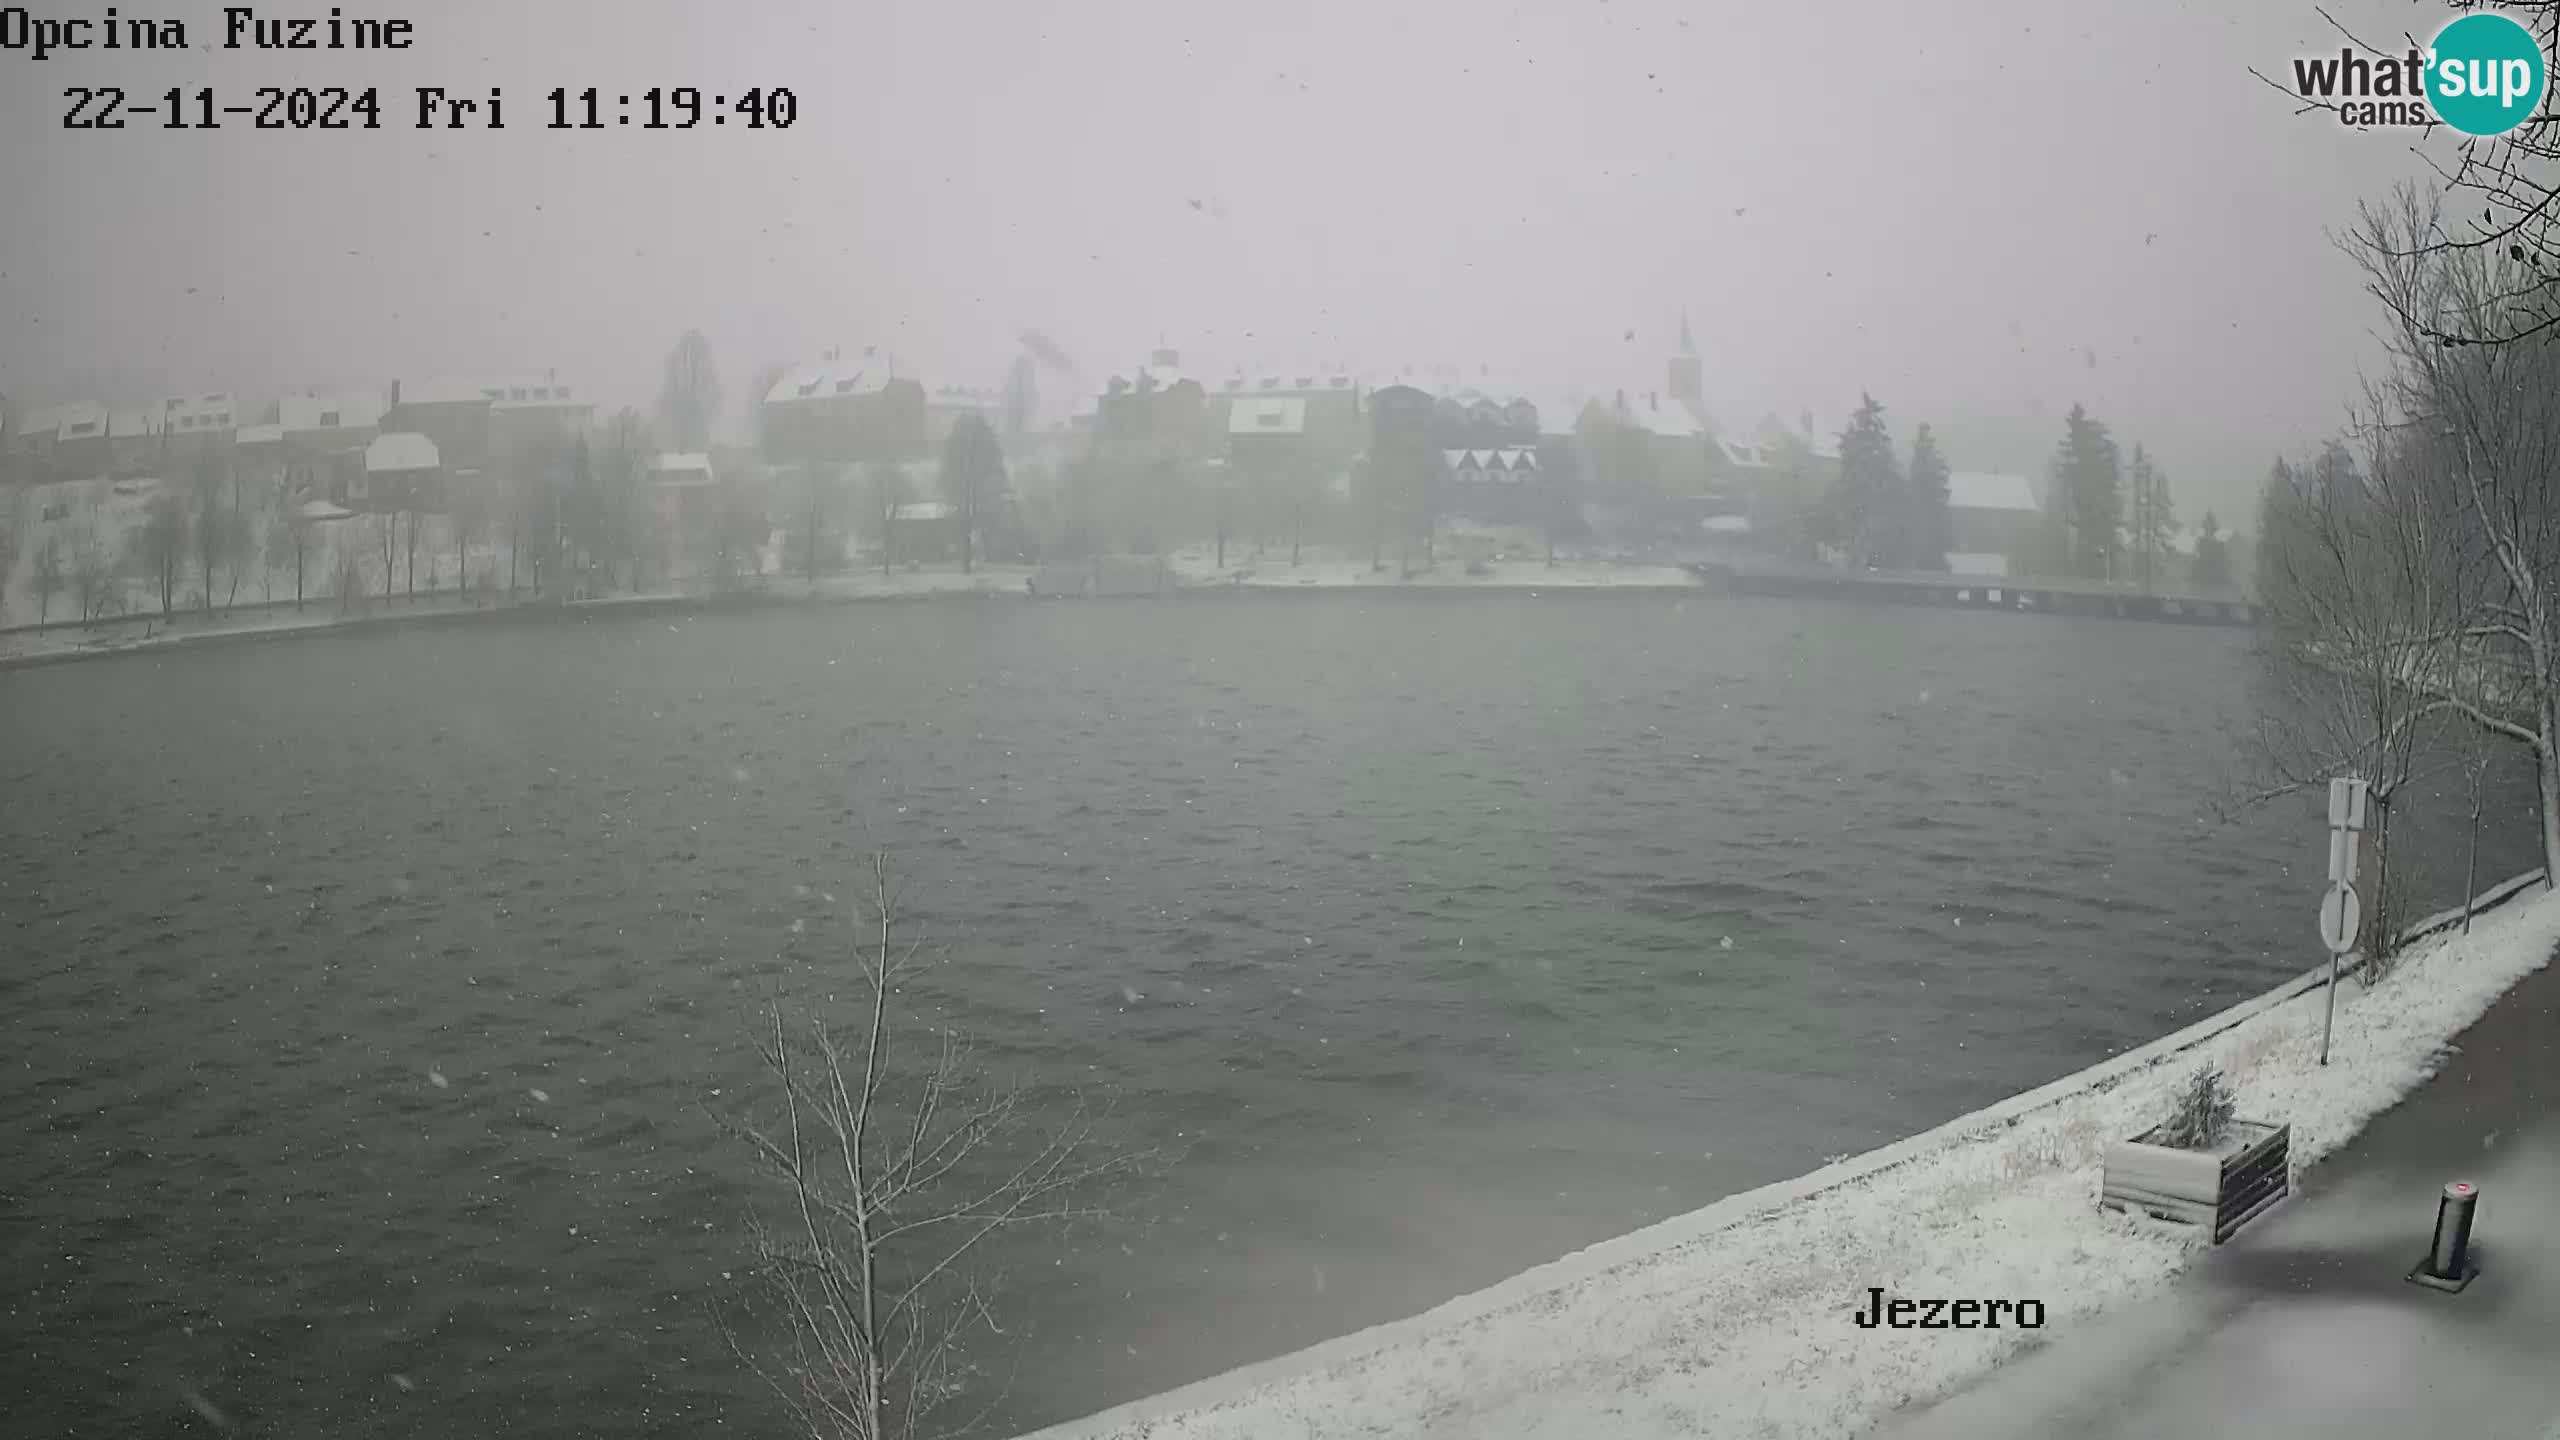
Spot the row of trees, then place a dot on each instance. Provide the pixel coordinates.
(2411, 569)
(2114, 519)
(1880, 513)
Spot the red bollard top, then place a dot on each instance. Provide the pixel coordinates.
(2459, 1190)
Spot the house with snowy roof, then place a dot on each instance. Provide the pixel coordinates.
(1327, 401)
(843, 412)
(402, 471)
(1153, 414)
(326, 424)
(67, 441)
(480, 422)
(1993, 518)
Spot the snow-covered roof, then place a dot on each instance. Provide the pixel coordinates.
(1150, 377)
(1510, 457)
(1726, 524)
(1987, 490)
(819, 379)
(74, 421)
(1745, 453)
(132, 424)
(964, 397)
(1424, 383)
(198, 412)
(1290, 380)
(1267, 415)
(346, 410)
(497, 391)
(681, 469)
(1668, 419)
(259, 435)
(400, 450)
(316, 510)
(924, 510)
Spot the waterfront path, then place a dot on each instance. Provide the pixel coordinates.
(2303, 1324)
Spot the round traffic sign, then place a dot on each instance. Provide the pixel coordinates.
(2341, 916)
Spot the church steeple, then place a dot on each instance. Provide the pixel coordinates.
(1687, 381)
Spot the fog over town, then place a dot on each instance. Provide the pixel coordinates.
(1982, 212)
(1149, 721)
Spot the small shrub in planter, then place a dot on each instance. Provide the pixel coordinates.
(2201, 1166)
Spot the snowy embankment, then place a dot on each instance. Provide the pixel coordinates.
(1735, 1321)
(1198, 569)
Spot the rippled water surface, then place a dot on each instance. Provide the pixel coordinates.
(1446, 933)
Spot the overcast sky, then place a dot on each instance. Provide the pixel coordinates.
(1980, 211)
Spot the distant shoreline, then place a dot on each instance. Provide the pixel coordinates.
(998, 584)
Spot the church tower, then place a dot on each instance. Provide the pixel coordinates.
(1688, 372)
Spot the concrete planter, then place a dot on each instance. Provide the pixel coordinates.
(2223, 1187)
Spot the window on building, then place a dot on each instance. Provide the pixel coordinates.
(328, 419)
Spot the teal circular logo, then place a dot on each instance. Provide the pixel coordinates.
(2485, 74)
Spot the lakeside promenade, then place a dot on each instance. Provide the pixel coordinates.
(2303, 1324)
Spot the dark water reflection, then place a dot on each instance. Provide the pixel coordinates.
(1449, 934)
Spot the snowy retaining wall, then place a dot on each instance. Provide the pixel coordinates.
(1729, 1320)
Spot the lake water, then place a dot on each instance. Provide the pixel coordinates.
(1442, 934)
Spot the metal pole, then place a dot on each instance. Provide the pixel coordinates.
(2330, 1016)
(2451, 1251)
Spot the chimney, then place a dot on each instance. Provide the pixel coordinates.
(1652, 401)
(395, 394)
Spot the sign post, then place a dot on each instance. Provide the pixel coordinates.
(2341, 913)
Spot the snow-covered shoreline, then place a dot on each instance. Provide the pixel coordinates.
(1734, 1320)
(66, 641)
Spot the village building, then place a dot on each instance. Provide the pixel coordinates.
(843, 413)
(1993, 519)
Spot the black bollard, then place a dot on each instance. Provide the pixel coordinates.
(2448, 1264)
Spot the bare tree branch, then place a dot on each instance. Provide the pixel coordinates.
(897, 1174)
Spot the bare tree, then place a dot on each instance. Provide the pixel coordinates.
(271, 549)
(2514, 179)
(889, 492)
(289, 543)
(973, 480)
(2493, 413)
(48, 575)
(470, 522)
(2363, 581)
(160, 547)
(385, 528)
(897, 1164)
(689, 394)
(238, 541)
(815, 524)
(8, 562)
(96, 585)
(214, 535)
(346, 577)
(627, 531)
(739, 530)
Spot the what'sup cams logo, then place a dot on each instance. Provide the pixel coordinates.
(2484, 74)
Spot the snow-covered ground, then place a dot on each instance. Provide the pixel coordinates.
(1488, 562)
(1734, 1321)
